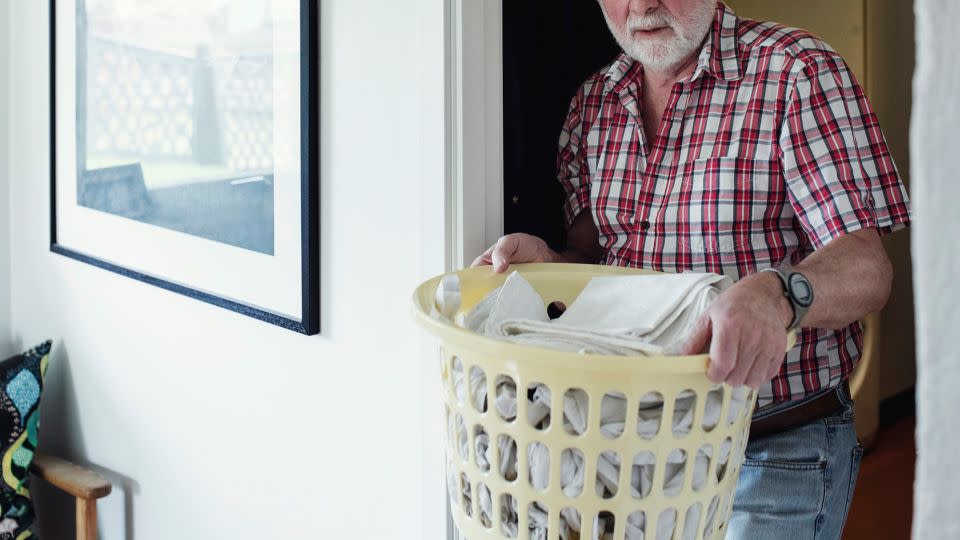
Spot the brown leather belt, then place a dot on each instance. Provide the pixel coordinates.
(821, 406)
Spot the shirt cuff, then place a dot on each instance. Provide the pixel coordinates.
(576, 201)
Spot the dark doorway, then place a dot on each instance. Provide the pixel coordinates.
(549, 49)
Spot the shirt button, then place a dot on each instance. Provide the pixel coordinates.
(644, 225)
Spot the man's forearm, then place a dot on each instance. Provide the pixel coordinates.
(851, 277)
(576, 256)
(582, 241)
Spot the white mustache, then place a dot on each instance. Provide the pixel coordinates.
(649, 22)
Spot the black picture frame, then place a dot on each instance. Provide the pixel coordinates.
(309, 321)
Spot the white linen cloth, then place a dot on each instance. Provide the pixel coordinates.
(447, 298)
(625, 315)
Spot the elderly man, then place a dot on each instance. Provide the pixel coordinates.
(720, 144)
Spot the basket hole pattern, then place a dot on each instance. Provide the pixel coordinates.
(683, 410)
(576, 410)
(448, 421)
(478, 389)
(641, 475)
(459, 389)
(509, 515)
(711, 416)
(608, 474)
(711, 515)
(667, 523)
(604, 525)
(722, 457)
(537, 519)
(613, 414)
(572, 460)
(571, 472)
(538, 460)
(444, 371)
(538, 406)
(692, 520)
(507, 457)
(569, 522)
(701, 465)
(466, 494)
(649, 415)
(484, 503)
(481, 442)
(506, 400)
(674, 470)
(710, 459)
(636, 524)
(462, 444)
(453, 488)
(576, 405)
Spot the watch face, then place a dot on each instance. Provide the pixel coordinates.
(801, 290)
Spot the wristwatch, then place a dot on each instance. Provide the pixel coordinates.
(797, 289)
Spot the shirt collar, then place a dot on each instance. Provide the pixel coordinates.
(718, 57)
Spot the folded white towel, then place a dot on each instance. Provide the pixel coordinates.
(634, 304)
(622, 315)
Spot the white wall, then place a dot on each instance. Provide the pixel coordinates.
(5, 345)
(215, 425)
(936, 192)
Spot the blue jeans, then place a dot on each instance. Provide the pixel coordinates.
(798, 484)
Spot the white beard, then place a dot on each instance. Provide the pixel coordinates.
(662, 53)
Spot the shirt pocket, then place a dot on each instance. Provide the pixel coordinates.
(719, 203)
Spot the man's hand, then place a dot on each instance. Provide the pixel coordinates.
(515, 249)
(747, 324)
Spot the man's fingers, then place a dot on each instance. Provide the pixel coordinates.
(484, 257)
(723, 354)
(746, 359)
(758, 371)
(479, 261)
(516, 248)
(503, 252)
(777, 353)
(698, 340)
(768, 362)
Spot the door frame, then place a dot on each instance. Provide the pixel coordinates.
(474, 137)
(475, 126)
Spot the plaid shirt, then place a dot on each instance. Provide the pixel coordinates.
(769, 151)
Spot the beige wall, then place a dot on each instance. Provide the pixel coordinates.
(890, 63)
(838, 22)
(876, 39)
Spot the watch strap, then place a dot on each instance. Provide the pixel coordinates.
(798, 310)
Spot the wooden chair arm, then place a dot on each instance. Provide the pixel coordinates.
(77, 481)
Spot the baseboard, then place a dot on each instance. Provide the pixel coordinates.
(897, 407)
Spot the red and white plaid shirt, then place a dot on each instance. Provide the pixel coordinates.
(769, 151)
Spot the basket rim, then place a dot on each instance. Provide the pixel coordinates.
(462, 338)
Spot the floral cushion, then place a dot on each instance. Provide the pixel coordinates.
(21, 381)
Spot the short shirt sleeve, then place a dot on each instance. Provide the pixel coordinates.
(837, 167)
(572, 169)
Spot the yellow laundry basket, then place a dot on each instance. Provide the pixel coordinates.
(478, 360)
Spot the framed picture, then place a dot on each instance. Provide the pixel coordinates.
(184, 148)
